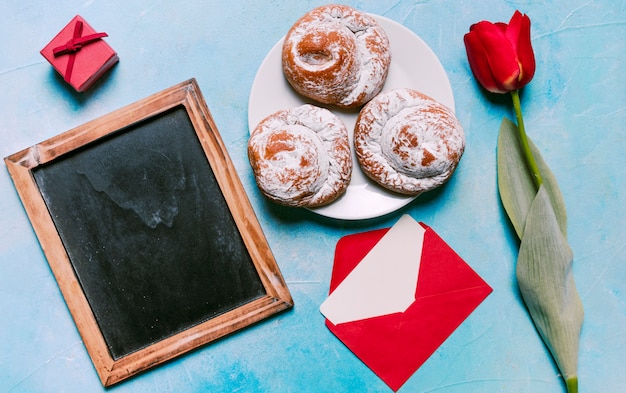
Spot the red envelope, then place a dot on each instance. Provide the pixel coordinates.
(394, 346)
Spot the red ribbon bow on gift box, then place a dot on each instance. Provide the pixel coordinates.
(74, 45)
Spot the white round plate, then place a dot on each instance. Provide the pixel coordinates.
(413, 65)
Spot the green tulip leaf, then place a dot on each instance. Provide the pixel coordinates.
(546, 282)
(544, 265)
(515, 182)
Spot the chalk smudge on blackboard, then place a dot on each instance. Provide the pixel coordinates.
(147, 185)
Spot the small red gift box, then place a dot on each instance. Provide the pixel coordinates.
(80, 54)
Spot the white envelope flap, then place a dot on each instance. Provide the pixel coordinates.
(384, 282)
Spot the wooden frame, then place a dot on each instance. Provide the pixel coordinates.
(114, 369)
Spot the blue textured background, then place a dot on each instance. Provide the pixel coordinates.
(574, 111)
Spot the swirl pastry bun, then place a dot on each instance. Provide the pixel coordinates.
(407, 142)
(335, 54)
(301, 156)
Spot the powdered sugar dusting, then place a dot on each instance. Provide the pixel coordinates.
(301, 156)
(336, 55)
(407, 141)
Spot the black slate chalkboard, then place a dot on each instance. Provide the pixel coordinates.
(153, 209)
(148, 231)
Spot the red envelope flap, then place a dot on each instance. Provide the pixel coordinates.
(394, 346)
(439, 278)
(351, 249)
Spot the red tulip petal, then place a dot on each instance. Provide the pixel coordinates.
(502, 26)
(525, 52)
(477, 59)
(500, 55)
(513, 29)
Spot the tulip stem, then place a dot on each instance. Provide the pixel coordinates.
(572, 385)
(528, 155)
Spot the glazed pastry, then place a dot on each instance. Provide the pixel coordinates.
(335, 54)
(407, 142)
(301, 156)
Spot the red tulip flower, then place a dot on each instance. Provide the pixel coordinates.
(500, 55)
(502, 60)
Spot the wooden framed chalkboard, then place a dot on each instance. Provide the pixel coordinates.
(149, 232)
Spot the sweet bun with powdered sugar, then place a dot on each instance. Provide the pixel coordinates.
(301, 156)
(335, 54)
(408, 142)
